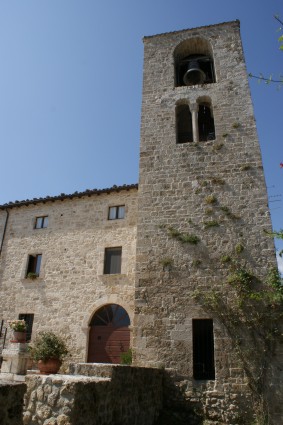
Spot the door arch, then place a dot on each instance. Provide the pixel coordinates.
(109, 334)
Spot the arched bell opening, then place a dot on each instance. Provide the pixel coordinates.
(109, 334)
(193, 63)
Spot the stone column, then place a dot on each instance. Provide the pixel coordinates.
(15, 360)
(194, 110)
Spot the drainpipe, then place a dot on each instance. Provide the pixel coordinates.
(4, 232)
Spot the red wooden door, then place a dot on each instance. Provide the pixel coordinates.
(109, 335)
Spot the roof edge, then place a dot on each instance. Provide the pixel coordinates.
(236, 21)
(63, 196)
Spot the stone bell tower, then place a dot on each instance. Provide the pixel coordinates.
(201, 248)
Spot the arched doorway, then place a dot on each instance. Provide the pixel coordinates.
(109, 334)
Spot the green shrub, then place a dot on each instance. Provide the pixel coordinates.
(48, 345)
(127, 357)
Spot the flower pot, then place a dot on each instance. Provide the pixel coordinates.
(49, 366)
(18, 336)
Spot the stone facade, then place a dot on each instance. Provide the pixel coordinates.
(196, 222)
(71, 286)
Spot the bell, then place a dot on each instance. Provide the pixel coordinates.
(194, 75)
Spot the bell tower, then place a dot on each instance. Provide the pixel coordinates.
(201, 221)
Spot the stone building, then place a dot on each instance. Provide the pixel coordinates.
(173, 266)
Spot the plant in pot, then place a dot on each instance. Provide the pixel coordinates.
(19, 328)
(48, 349)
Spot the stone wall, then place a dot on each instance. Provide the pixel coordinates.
(71, 286)
(214, 191)
(123, 396)
(11, 403)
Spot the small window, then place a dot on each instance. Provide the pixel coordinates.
(34, 262)
(41, 222)
(112, 261)
(203, 349)
(205, 123)
(28, 318)
(184, 124)
(116, 213)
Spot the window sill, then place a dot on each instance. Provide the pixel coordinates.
(114, 278)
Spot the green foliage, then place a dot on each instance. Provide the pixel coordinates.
(240, 278)
(211, 223)
(236, 125)
(239, 248)
(224, 135)
(217, 180)
(218, 146)
(183, 237)
(245, 167)
(32, 275)
(127, 357)
(225, 259)
(48, 345)
(277, 234)
(208, 211)
(211, 199)
(167, 263)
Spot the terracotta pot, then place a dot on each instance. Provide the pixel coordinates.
(18, 337)
(49, 366)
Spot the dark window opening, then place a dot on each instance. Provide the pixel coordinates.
(184, 124)
(205, 123)
(194, 69)
(203, 349)
(112, 261)
(28, 318)
(41, 222)
(34, 263)
(116, 213)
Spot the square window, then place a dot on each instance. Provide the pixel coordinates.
(112, 260)
(28, 318)
(41, 222)
(116, 213)
(34, 262)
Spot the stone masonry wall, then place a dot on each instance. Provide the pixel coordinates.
(11, 403)
(129, 396)
(71, 286)
(213, 190)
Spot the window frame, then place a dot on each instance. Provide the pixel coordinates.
(44, 220)
(109, 266)
(117, 208)
(33, 265)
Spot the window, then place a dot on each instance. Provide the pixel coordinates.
(28, 318)
(203, 349)
(194, 63)
(205, 123)
(184, 124)
(34, 262)
(41, 222)
(112, 261)
(116, 213)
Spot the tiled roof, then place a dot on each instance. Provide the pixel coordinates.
(63, 196)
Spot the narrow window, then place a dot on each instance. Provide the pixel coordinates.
(28, 318)
(184, 124)
(41, 222)
(116, 213)
(203, 349)
(205, 123)
(112, 261)
(34, 262)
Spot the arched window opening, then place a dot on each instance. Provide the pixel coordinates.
(205, 123)
(184, 124)
(194, 63)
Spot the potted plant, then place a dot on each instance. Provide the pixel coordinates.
(19, 328)
(48, 349)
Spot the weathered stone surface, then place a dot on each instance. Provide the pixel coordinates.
(11, 403)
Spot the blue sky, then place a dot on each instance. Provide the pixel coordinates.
(70, 88)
